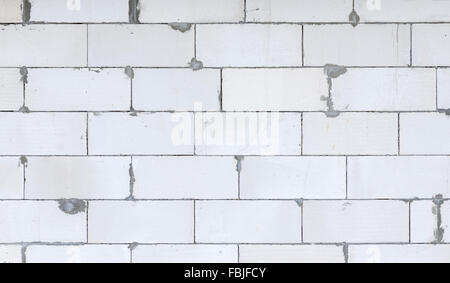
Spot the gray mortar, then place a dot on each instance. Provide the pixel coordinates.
(439, 231)
(129, 72)
(24, 75)
(182, 27)
(72, 206)
(195, 64)
(24, 160)
(134, 11)
(332, 72)
(26, 11)
(132, 181)
(354, 18)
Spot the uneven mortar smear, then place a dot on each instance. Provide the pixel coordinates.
(24, 253)
(239, 160)
(134, 11)
(133, 246)
(129, 72)
(354, 18)
(345, 250)
(24, 160)
(24, 74)
(332, 72)
(444, 111)
(439, 232)
(72, 206)
(24, 80)
(132, 181)
(183, 27)
(26, 11)
(195, 64)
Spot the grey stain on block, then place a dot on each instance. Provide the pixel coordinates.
(24, 160)
(134, 11)
(345, 250)
(299, 202)
(133, 246)
(239, 160)
(354, 18)
(24, 75)
(26, 11)
(72, 206)
(24, 109)
(132, 181)
(129, 72)
(24, 253)
(439, 232)
(183, 27)
(444, 111)
(195, 64)
(332, 72)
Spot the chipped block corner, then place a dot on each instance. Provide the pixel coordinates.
(224, 131)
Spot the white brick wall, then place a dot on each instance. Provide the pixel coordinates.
(86, 11)
(423, 222)
(10, 254)
(249, 45)
(141, 222)
(144, 46)
(350, 134)
(43, 133)
(224, 131)
(355, 221)
(144, 133)
(424, 133)
(185, 254)
(52, 46)
(291, 254)
(385, 90)
(193, 11)
(274, 89)
(77, 178)
(11, 178)
(298, 10)
(176, 89)
(11, 11)
(168, 177)
(78, 254)
(377, 45)
(78, 90)
(403, 10)
(37, 221)
(248, 222)
(443, 88)
(293, 178)
(11, 90)
(399, 254)
(429, 45)
(405, 177)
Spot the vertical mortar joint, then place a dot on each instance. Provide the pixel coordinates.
(132, 181)
(438, 201)
(134, 10)
(26, 11)
(332, 72)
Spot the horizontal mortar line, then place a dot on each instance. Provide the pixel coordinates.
(317, 23)
(218, 111)
(406, 199)
(227, 155)
(232, 67)
(225, 67)
(338, 244)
